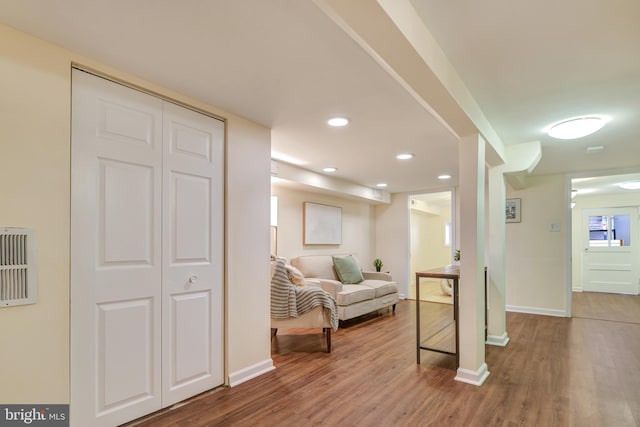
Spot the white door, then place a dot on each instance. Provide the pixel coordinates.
(192, 254)
(146, 213)
(610, 250)
(115, 252)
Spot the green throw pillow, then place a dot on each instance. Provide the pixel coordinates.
(347, 269)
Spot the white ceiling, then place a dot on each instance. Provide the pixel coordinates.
(287, 65)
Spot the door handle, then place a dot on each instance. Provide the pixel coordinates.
(193, 279)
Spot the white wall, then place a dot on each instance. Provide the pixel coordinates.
(536, 264)
(588, 202)
(35, 140)
(358, 225)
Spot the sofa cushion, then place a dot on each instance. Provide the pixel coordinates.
(295, 276)
(315, 266)
(347, 269)
(352, 294)
(381, 287)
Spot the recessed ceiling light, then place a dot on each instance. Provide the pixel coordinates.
(595, 149)
(330, 169)
(338, 121)
(404, 156)
(576, 127)
(444, 176)
(631, 185)
(381, 185)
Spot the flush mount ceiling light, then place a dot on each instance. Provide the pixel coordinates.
(631, 185)
(381, 185)
(338, 121)
(404, 156)
(576, 127)
(444, 176)
(330, 169)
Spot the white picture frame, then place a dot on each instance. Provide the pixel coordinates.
(512, 210)
(322, 224)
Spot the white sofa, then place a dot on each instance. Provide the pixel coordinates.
(376, 291)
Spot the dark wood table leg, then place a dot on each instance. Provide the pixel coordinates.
(456, 300)
(417, 319)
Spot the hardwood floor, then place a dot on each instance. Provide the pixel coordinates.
(554, 372)
(614, 307)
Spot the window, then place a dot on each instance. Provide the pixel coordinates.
(609, 231)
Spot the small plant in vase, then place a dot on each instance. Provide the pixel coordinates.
(456, 256)
(377, 263)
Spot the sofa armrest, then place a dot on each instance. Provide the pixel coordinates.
(332, 286)
(374, 275)
(312, 282)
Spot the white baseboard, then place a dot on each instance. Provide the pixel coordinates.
(473, 377)
(499, 340)
(535, 310)
(250, 372)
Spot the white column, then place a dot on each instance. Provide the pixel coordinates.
(497, 332)
(521, 160)
(472, 369)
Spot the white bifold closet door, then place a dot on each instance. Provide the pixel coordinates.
(146, 252)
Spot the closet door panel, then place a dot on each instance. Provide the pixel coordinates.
(124, 368)
(191, 225)
(192, 253)
(116, 165)
(191, 332)
(146, 252)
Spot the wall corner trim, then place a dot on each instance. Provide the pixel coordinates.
(250, 372)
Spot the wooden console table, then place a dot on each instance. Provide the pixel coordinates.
(448, 272)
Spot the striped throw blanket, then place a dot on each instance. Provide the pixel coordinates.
(288, 300)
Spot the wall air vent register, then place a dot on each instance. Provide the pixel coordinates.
(17, 267)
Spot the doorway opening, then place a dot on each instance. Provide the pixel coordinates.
(432, 242)
(604, 235)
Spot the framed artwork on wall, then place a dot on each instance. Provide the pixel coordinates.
(512, 211)
(322, 224)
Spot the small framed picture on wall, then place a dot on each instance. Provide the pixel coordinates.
(512, 211)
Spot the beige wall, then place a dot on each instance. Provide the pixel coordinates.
(358, 225)
(248, 241)
(536, 264)
(392, 239)
(369, 231)
(35, 171)
(428, 249)
(536, 278)
(588, 202)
